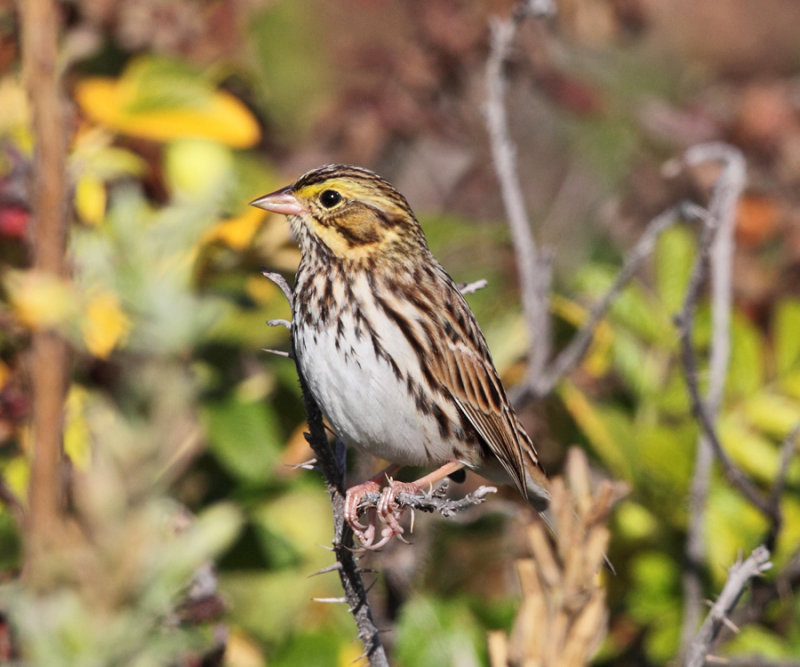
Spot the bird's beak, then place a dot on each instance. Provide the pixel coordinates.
(281, 201)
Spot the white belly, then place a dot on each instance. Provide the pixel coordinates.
(364, 400)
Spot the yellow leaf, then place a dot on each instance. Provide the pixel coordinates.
(194, 167)
(261, 290)
(76, 429)
(350, 655)
(5, 374)
(597, 359)
(105, 325)
(15, 119)
(242, 651)
(221, 117)
(16, 473)
(591, 422)
(236, 232)
(90, 199)
(40, 300)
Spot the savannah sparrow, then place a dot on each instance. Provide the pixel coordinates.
(389, 347)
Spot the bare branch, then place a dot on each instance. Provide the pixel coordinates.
(534, 264)
(685, 322)
(434, 500)
(738, 576)
(716, 249)
(49, 368)
(574, 352)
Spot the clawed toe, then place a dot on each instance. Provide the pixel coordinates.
(387, 512)
(388, 509)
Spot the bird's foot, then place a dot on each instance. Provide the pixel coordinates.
(389, 511)
(385, 523)
(353, 496)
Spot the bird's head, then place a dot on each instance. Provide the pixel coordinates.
(352, 211)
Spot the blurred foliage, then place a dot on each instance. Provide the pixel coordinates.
(182, 435)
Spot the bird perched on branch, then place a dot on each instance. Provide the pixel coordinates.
(389, 348)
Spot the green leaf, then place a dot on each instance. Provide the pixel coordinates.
(756, 640)
(733, 525)
(163, 84)
(245, 437)
(790, 534)
(652, 600)
(635, 521)
(289, 61)
(636, 363)
(433, 632)
(644, 316)
(606, 427)
(746, 368)
(674, 256)
(773, 414)
(666, 454)
(756, 454)
(787, 336)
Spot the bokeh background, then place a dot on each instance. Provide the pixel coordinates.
(182, 111)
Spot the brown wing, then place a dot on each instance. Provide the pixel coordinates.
(469, 376)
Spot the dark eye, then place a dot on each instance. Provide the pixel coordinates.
(329, 198)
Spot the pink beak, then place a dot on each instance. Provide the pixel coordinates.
(281, 201)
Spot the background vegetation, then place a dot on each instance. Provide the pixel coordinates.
(187, 527)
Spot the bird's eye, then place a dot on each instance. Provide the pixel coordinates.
(329, 198)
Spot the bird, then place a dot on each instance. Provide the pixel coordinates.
(389, 348)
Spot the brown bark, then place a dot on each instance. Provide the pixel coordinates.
(49, 358)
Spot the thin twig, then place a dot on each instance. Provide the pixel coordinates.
(434, 500)
(738, 576)
(48, 200)
(533, 263)
(283, 284)
(471, 288)
(717, 249)
(685, 323)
